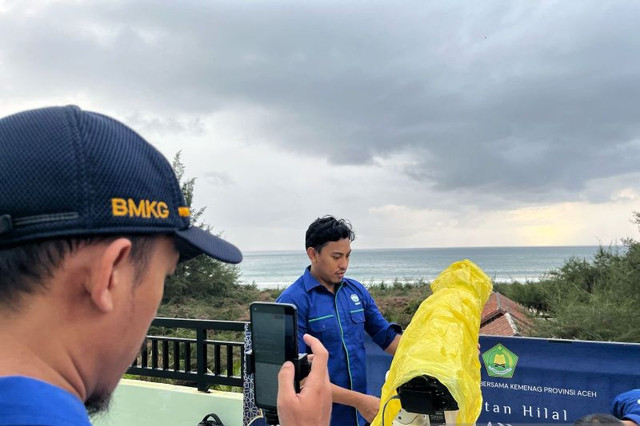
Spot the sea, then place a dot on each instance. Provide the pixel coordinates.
(278, 269)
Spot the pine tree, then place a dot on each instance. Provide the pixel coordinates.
(200, 278)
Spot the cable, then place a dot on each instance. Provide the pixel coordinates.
(384, 407)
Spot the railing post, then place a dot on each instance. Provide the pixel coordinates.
(154, 353)
(176, 356)
(165, 355)
(243, 359)
(201, 353)
(143, 357)
(216, 360)
(229, 360)
(187, 357)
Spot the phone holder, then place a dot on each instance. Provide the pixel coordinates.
(302, 368)
(270, 417)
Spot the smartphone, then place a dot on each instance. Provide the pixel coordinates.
(274, 336)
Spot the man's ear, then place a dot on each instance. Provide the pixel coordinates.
(312, 253)
(113, 268)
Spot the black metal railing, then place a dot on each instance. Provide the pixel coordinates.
(187, 351)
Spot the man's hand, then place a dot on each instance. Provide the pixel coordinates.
(368, 406)
(312, 406)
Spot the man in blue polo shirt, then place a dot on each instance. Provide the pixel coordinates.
(338, 311)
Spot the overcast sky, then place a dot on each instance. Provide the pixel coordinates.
(426, 124)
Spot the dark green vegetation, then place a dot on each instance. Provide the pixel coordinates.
(399, 301)
(590, 299)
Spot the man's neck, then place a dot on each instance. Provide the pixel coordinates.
(328, 285)
(19, 357)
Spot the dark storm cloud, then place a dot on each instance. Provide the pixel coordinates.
(523, 100)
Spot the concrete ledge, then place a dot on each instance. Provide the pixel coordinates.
(138, 403)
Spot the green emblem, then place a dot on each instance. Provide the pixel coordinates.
(500, 362)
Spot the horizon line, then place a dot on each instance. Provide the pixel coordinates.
(441, 248)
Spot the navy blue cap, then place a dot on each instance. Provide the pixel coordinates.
(66, 172)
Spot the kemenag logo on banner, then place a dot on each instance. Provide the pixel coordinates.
(500, 362)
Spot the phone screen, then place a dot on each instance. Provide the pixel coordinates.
(274, 335)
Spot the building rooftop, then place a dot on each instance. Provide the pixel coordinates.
(502, 316)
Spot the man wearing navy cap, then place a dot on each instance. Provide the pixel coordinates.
(92, 221)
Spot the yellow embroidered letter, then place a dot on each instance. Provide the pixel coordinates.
(118, 207)
(151, 208)
(163, 209)
(138, 210)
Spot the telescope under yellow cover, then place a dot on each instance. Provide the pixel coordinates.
(442, 341)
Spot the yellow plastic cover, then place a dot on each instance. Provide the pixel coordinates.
(442, 341)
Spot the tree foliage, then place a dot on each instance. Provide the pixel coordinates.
(200, 278)
(595, 299)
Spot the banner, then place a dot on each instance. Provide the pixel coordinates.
(533, 381)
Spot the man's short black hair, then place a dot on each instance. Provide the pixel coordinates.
(24, 269)
(325, 229)
(598, 419)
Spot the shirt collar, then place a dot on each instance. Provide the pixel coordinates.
(309, 281)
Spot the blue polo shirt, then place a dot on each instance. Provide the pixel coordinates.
(27, 401)
(339, 321)
(626, 406)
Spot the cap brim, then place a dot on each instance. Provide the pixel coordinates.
(194, 241)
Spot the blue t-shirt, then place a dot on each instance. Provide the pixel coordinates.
(626, 406)
(27, 401)
(339, 321)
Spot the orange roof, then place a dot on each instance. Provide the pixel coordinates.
(502, 316)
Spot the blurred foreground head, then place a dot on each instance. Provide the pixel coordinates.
(598, 419)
